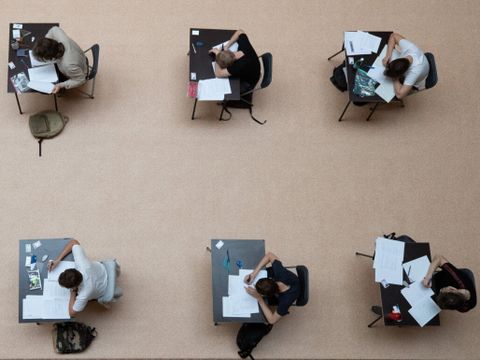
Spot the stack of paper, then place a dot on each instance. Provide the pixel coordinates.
(388, 261)
(417, 268)
(213, 89)
(385, 90)
(360, 42)
(239, 303)
(42, 75)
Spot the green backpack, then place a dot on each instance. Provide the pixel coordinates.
(46, 125)
(72, 337)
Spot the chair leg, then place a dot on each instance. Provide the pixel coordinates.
(376, 310)
(224, 109)
(344, 110)
(254, 119)
(55, 98)
(18, 104)
(371, 112)
(362, 254)
(331, 57)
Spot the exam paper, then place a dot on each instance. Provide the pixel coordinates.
(244, 304)
(213, 89)
(417, 269)
(233, 47)
(54, 308)
(32, 307)
(424, 311)
(61, 267)
(227, 308)
(52, 289)
(416, 293)
(44, 87)
(46, 73)
(388, 261)
(385, 90)
(244, 272)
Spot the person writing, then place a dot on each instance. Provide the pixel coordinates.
(408, 71)
(88, 281)
(453, 289)
(243, 63)
(69, 57)
(281, 288)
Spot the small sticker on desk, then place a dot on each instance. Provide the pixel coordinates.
(28, 261)
(11, 65)
(36, 244)
(195, 32)
(219, 244)
(18, 26)
(28, 248)
(16, 34)
(193, 76)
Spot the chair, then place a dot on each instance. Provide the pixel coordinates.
(266, 80)
(112, 293)
(302, 273)
(92, 70)
(432, 77)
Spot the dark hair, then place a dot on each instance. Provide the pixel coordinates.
(397, 68)
(225, 58)
(267, 287)
(48, 49)
(450, 301)
(70, 278)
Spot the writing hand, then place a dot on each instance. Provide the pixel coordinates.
(427, 282)
(52, 264)
(249, 278)
(386, 60)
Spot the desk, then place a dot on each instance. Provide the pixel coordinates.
(22, 64)
(50, 247)
(201, 62)
(369, 59)
(391, 295)
(250, 252)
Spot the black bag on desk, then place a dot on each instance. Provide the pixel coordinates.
(338, 78)
(72, 337)
(249, 336)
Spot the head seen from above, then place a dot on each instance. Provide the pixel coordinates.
(70, 279)
(397, 68)
(225, 58)
(450, 299)
(48, 49)
(267, 287)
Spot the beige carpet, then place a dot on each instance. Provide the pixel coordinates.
(133, 177)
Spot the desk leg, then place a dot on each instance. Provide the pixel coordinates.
(55, 99)
(376, 310)
(18, 103)
(371, 112)
(344, 110)
(374, 321)
(194, 107)
(362, 254)
(331, 57)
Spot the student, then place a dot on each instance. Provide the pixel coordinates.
(68, 56)
(88, 281)
(243, 64)
(283, 288)
(412, 66)
(453, 289)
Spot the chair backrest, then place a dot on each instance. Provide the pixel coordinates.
(267, 70)
(302, 273)
(432, 77)
(468, 273)
(92, 71)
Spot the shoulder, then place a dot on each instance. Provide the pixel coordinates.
(54, 32)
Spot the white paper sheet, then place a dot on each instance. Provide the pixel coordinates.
(61, 267)
(244, 304)
(213, 89)
(233, 47)
(44, 87)
(385, 90)
(244, 272)
(416, 293)
(388, 261)
(52, 289)
(424, 311)
(235, 285)
(32, 307)
(54, 308)
(36, 62)
(44, 73)
(227, 308)
(417, 269)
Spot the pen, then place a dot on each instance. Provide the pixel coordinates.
(408, 272)
(194, 50)
(351, 46)
(222, 47)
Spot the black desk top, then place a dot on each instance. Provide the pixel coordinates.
(50, 247)
(200, 60)
(369, 59)
(37, 30)
(391, 295)
(250, 252)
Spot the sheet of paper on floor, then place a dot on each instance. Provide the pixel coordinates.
(424, 311)
(61, 267)
(416, 293)
(417, 268)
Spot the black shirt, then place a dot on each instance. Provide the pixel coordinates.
(451, 276)
(247, 68)
(285, 299)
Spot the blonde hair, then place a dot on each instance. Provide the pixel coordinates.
(225, 58)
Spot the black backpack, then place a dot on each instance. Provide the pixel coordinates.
(249, 336)
(338, 78)
(72, 337)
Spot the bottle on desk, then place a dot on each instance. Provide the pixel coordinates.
(395, 314)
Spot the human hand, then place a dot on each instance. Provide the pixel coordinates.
(52, 264)
(427, 282)
(249, 278)
(56, 89)
(386, 60)
(252, 292)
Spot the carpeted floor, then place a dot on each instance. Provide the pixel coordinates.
(133, 177)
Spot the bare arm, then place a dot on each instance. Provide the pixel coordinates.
(438, 260)
(268, 258)
(234, 38)
(71, 302)
(393, 41)
(66, 250)
(401, 90)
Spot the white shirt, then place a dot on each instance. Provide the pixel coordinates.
(419, 68)
(94, 280)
